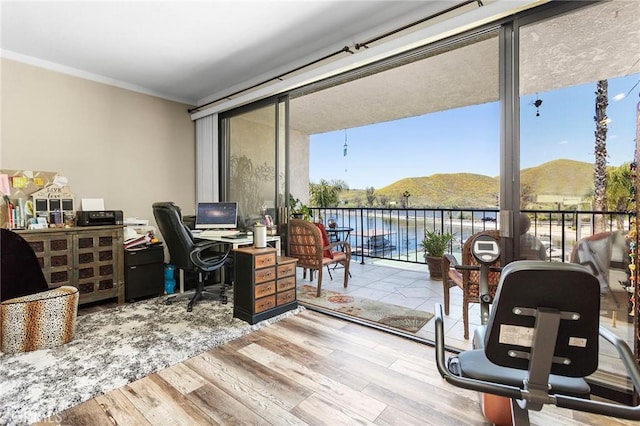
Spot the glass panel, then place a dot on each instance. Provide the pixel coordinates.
(252, 163)
(578, 94)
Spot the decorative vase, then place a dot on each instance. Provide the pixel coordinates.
(435, 267)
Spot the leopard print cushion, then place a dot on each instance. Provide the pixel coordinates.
(38, 321)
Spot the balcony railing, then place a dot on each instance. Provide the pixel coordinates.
(396, 233)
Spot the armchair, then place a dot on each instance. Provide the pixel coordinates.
(187, 254)
(468, 281)
(314, 251)
(32, 316)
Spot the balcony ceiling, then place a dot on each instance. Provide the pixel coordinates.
(192, 52)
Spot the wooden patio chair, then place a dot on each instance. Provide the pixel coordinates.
(468, 281)
(310, 245)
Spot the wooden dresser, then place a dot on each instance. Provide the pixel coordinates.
(265, 284)
(89, 258)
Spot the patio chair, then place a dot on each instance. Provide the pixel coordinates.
(468, 281)
(595, 252)
(313, 249)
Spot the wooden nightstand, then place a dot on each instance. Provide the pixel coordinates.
(265, 284)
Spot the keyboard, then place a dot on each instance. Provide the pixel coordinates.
(218, 233)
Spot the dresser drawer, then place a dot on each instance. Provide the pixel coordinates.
(264, 260)
(265, 303)
(286, 283)
(286, 297)
(287, 269)
(263, 275)
(265, 289)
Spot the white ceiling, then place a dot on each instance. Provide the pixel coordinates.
(195, 52)
(186, 50)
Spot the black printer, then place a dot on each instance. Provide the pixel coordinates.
(99, 217)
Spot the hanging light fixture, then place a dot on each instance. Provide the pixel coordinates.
(345, 146)
(344, 150)
(537, 103)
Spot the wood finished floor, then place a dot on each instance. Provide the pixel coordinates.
(308, 369)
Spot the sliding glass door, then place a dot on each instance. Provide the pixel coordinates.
(254, 157)
(579, 75)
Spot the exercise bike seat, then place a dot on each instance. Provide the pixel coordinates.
(541, 342)
(475, 364)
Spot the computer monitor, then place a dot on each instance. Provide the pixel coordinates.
(220, 215)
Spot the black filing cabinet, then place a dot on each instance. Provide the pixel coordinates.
(144, 272)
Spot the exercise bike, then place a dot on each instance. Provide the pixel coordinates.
(538, 342)
(486, 251)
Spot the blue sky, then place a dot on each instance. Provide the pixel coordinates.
(467, 139)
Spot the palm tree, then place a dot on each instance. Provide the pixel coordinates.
(600, 169)
(371, 197)
(619, 185)
(326, 194)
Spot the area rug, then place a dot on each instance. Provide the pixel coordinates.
(394, 316)
(112, 348)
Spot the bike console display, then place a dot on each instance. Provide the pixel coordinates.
(485, 249)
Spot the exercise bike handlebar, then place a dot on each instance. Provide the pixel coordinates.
(563, 401)
(608, 409)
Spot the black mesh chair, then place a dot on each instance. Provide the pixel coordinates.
(188, 254)
(540, 344)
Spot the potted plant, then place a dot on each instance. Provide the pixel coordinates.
(434, 245)
(297, 209)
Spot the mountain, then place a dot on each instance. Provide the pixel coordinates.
(452, 190)
(559, 177)
(555, 178)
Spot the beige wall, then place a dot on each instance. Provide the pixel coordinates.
(128, 148)
(299, 165)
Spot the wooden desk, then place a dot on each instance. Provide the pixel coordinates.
(236, 243)
(245, 242)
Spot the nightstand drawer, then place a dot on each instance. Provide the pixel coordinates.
(286, 297)
(263, 275)
(152, 254)
(266, 289)
(264, 260)
(288, 269)
(265, 303)
(286, 283)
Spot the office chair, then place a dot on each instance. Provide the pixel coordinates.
(187, 254)
(540, 343)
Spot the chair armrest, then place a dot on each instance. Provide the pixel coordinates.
(448, 261)
(210, 255)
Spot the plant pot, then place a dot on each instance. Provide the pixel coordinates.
(298, 215)
(435, 267)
